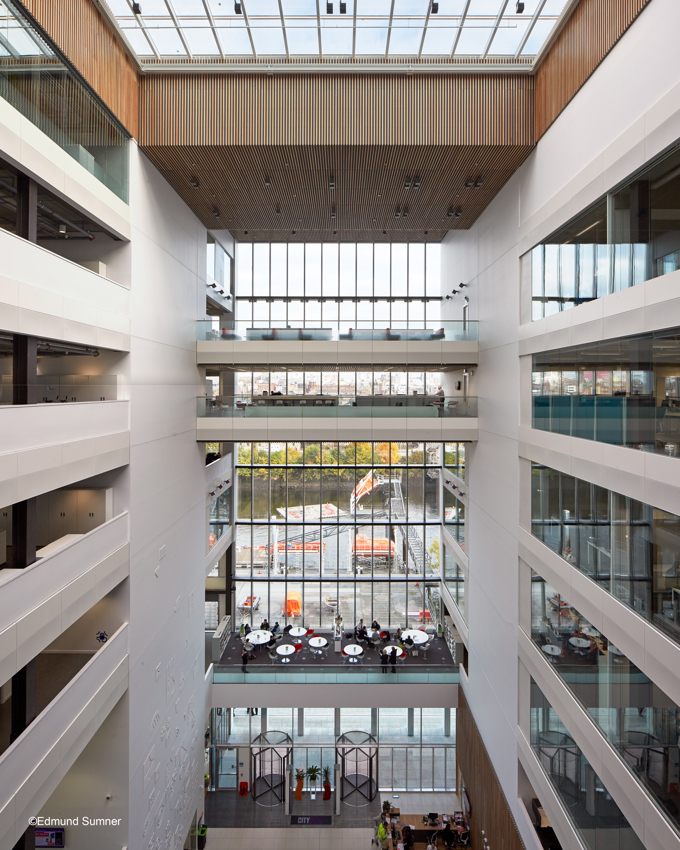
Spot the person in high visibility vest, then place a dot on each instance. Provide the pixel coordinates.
(383, 834)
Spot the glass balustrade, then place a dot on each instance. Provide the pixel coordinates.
(411, 331)
(415, 407)
(223, 675)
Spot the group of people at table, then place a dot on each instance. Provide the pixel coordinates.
(272, 637)
(391, 827)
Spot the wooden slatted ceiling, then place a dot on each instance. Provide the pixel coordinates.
(335, 109)
(369, 186)
(490, 810)
(80, 31)
(590, 33)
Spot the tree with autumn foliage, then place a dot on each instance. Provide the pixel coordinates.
(388, 453)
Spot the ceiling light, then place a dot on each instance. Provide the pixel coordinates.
(333, 212)
(462, 285)
(397, 212)
(469, 182)
(62, 228)
(416, 182)
(407, 183)
(267, 181)
(520, 7)
(435, 8)
(278, 210)
(478, 182)
(216, 212)
(213, 286)
(194, 182)
(343, 8)
(405, 213)
(237, 8)
(331, 182)
(136, 9)
(329, 8)
(449, 212)
(458, 213)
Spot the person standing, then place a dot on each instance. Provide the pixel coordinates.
(384, 659)
(244, 660)
(393, 659)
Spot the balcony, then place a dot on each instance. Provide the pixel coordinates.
(32, 767)
(240, 418)
(41, 601)
(335, 343)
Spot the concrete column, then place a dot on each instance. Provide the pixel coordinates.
(24, 369)
(301, 722)
(337, 722)
(27, 208)
(410, 722)
(263, 720)
(23, 700)
(374, 722)
(447, 722)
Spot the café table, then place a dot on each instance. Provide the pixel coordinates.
(580, 643)
(318, 642)
(298, 631)
(390, 647)
(417, 635)
(549, 649)
(260, 636)
(284, 650)
(354, 651)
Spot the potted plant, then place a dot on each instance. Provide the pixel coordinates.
(313, 774)
(326, 772)
(300, 778)
(386, 807)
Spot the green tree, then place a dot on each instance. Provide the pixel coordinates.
(435, 552)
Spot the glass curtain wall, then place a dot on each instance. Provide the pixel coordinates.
(627, 237)
(596, 817)
(344, 384)
(628, 547)
(454, 517)
(328, 528)
(640, 721)
(344, 284)
(416, 746)
(38, 81)
(454, 579)
(622, 391)
(454, 459)
(219, 517)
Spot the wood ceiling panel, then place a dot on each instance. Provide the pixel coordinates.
(369, 187)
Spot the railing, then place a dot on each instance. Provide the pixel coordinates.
(338, 331)
(229, 676)
(60, 388)
(636, 421)
(352, 407)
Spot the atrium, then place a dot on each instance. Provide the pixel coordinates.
(339, 424)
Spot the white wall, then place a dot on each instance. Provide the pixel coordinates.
(626, 113)
(167, 505)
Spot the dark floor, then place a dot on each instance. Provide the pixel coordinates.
(54, 670)
(227, 809)
(438, 656)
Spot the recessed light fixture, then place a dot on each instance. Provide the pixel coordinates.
(194, 182)
(332, 212)
(449, 212)
(278, 210)
(458, 213)
(470, 182)
(407, 183)
(478, 182)
(397, 212)
(405, 212)
(136, 9)
(520, 7)
(216, 212)
(267, 181)
(62, 228)
(416, 182)
(331, 182)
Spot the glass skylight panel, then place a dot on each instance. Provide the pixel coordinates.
(410, 7)
(154, 9)
(406, 37)
(336, 38)
(375, 8)
(167, 41)
(539, 34)
(303, 36)
(508, 38)
(371, 37)
(439, 37)
(259, 8)
(299, 7)
(138, 40)
(201, 40)
(120, 8)
(188, 8)
(223, 9)
(449, 8)
(474, 37)
(486, 8)
(267, 38)
(235, 41)
(553, 7)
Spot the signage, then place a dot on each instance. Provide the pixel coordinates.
(49, 837)
(311, 820)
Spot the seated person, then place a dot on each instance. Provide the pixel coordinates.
(375, 625)
(265, 625)
(409, 642)
(276, 629)
(359, 626)
(287, 628)
(271, 642)
(447, 836)
(247, 629)
(398, 635)
(362, 634)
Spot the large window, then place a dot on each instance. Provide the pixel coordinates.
(454, 517)
(620, 391)
(454, 579)
(347, 285)
(638, 719)
(591, 808)
(343, 384)
(628, 547)
(328, 528)
(629, 236)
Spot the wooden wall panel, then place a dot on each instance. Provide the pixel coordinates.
(336, 109)
(590, 33)
(81, 32)
(490, 811)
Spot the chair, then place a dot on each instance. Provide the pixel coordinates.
(273, 656)
(279, 637)
(310, 633)
(464, 838)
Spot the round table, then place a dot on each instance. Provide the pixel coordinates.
(549, 649)
(259, 637)
(284, 650)
(581, 643)
(389, 649)
(416, 635)
(354, 651)
(591, 632)
(298, 631)
(318, 642)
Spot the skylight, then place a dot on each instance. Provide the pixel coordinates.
(394, 29)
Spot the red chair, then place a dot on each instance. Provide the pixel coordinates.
(298, 647)
(310, 633)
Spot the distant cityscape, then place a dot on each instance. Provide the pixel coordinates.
(338, 383)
